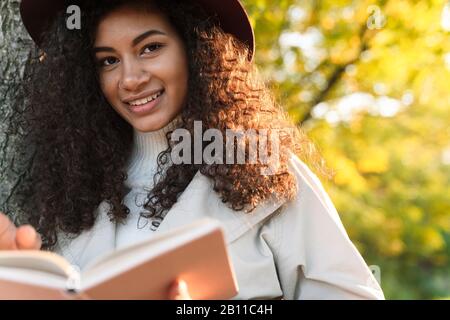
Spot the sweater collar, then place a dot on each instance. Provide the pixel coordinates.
(142, 164)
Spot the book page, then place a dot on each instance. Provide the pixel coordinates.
(31, 277)
(203, 263)
(45, 261)
(125, 258)
(196, 252)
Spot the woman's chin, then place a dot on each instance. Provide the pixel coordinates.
(149, 125)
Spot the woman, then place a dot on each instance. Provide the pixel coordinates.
(101, 107)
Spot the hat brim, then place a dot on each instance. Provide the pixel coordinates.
(38, 14)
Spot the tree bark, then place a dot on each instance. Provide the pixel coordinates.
(15, 45)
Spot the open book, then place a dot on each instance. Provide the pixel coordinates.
(196, 253)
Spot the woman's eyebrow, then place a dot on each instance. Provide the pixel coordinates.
(145, 35)
(135, 41)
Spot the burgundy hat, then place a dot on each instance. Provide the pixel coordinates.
(37, 14)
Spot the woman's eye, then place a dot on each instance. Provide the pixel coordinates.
(107, 62)
(152, 47)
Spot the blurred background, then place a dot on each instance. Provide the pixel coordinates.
(369, 81)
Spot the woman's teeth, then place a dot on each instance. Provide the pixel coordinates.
(143, 101)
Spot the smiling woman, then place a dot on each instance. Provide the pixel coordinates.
(100, 126)
(142, 65)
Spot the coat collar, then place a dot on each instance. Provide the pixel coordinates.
(199, 200)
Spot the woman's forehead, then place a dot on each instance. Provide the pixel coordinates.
(131, 20)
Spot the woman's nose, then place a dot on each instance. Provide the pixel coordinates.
(133, 77)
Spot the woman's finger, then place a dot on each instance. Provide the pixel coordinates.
(7, 233)
(179, 291)
(27, 238)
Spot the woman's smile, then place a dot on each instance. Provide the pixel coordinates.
(147, 98)
(145, 105)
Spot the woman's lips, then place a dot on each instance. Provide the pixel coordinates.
(147, 107)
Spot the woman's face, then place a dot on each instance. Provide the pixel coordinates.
(142, 66)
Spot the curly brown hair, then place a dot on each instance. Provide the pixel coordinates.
(78, 145)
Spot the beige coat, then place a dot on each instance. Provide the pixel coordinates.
(302, 253)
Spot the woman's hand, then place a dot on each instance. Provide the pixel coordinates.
(179, 291)
(17, 238)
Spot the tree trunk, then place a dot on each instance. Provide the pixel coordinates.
(15, 45)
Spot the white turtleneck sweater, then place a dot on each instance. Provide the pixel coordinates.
(141, 169)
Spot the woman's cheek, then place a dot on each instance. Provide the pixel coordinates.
(106, 87)
(101, 81)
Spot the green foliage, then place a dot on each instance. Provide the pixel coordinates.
(372, 90)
